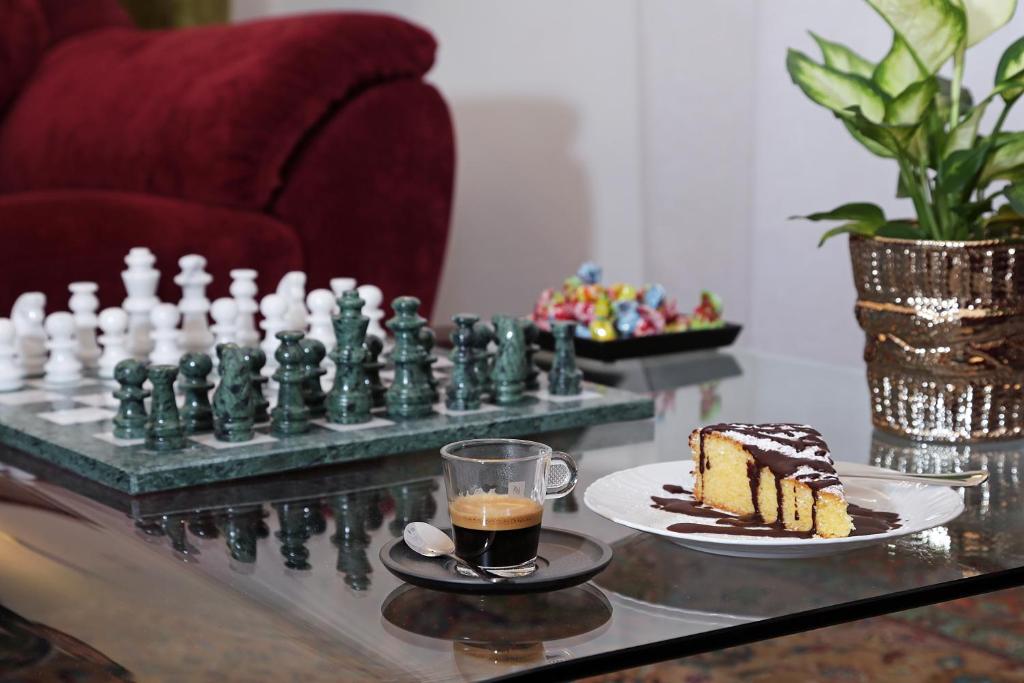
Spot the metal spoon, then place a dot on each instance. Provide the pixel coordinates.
(859, 471)
(429, 541)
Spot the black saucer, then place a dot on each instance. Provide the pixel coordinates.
(564, 559)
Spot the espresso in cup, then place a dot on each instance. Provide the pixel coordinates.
(496, 530)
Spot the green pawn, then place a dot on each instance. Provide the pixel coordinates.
(427, 339)
(313, 354)
(509, 373)
(260, 405)
(564, 378)
(372, 367)
(351, 396)
(463, 390)
(232, 402)
(163, 429)
(483, 357)
(530, 335)
(196, 412)
(290, 416)
(130, 421)
(409, 395)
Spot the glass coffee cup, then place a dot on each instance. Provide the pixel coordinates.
(496, 491)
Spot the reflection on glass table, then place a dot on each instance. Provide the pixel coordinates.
(279, 577)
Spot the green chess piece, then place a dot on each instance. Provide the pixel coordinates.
(260, 405)
(130, 421)
(509, 373)
(372, 367)
(290, 416)
(239, 525)
(163, 429)
(463, 390)
(531, 333)
(409, 395)
(351, 539)
(351, 397)
(313, 354)
(427, 339)
(196, 411)
(564, 378)
(233, 401)
(291, 518)
(483, 357)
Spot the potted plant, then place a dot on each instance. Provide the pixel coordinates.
(940, 295)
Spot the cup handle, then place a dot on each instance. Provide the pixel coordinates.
(563, 473)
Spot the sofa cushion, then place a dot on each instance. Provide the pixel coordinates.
(210, 114)
(53, 238)
(28, 27)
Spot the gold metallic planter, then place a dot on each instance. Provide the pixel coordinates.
(944, 327)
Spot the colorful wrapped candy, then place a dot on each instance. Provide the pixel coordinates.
(620, 310)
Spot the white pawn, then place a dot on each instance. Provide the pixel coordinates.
(166, 350)
(63, 368)
(27, 316)
(293, 288)
(243, 289)
(225, 324)
(373, 298)
(321, 305)
(114, 327)
(83, 305)
(10, 373)
(140, 282)
(340, 285)
(193, 279)
(274, 308)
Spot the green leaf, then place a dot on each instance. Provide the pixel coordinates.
(902, 229)
(984, 17)
(876, 147)
(1011, 67)
(902, 191)
(833, 89)
(842, 58)
(932, 29)
(1015, 195)
(898, 69)
(966, 132)
(959, 169)
(857, 228)
(908, 108)
(1006, 161)
(861, 212)
(899, 139)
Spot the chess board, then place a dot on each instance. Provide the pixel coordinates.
(71, 428)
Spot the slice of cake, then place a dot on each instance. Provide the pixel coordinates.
(781, 472)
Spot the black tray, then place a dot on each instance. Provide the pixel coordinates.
(654, 345)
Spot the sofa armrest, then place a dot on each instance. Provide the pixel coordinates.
(209, 114)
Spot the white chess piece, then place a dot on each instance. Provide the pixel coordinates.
(114, 327)
(27, 316)
(140, 282)
(274, 308)
(243, 289)
(293, 288)
(10, 372)
(83, 305)
(166, 350)
(225, 324)
(193, 279)
(321, 306)
(340, 285)
(373, 298)
(63, 368)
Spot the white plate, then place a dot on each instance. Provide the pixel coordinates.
(625, 497)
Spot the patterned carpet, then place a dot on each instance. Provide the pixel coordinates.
(974, 640)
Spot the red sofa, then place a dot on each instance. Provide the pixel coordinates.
(301, 143)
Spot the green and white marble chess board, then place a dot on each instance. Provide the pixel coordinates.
(71, 428)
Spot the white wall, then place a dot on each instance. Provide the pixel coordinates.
(661, 138)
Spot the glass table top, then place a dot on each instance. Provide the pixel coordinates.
(278, 578)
